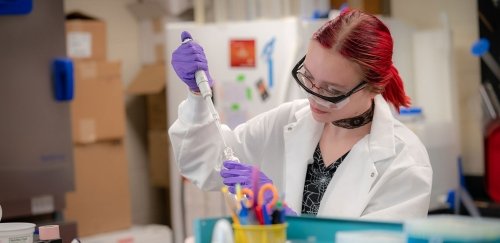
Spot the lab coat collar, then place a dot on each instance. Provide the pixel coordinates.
(302, 136)
(360, 167)
(381, 139)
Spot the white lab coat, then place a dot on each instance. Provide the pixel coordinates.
(386, 175)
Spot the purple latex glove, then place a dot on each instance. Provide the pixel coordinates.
(235, 172)
(289, 211)
(188, 58)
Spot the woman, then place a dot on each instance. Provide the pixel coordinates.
(339, 153)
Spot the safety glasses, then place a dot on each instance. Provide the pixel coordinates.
(325, 92)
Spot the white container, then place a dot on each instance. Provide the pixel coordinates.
(449, 228)
(16, 232)
(369, 236)
(414, 119)
(147, 233)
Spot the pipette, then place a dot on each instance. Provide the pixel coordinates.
(206, 93)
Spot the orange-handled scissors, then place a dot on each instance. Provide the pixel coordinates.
(263, 189)
(260, 199)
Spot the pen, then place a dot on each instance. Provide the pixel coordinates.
(265, 215)
(238, 196)
(277, 215)
(259, 214)
(230, 204)
(255, 185)
(243, 214)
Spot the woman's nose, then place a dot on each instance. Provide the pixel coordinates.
(317, 89)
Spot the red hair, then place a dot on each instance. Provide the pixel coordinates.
(366, 41)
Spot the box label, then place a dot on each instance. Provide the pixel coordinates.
(79, 44)
(42, 205)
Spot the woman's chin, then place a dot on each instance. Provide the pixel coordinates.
(320, 116)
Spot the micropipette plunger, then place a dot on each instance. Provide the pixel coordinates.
(206, 93)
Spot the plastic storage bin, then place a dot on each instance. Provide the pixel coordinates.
(452, 229)
(370, 236)
(302, 229)
(414, 119)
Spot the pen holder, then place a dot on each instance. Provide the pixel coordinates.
(273, 233)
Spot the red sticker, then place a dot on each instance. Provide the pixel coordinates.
(242, 53)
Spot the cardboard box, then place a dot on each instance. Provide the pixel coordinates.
(159, 166)
(160, 53)
(86, 39)
(98, 109)
(101, 201)
(151, 81)
(157, 111)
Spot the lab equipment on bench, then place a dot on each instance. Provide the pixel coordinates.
(492, 166)
(492, 134)
(17, 232)
(452, 229)
(49, 234)
(481, 49)
(206, 93)
(222, 232)
(369, 236)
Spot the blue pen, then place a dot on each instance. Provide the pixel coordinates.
(265, 214)
(243, 214)
(282, 215)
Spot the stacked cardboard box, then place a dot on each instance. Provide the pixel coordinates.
(151, 82)
(101, 200)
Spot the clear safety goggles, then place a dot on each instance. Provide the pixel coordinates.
(326, 95)
(326, 104)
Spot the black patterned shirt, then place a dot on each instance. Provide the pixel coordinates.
(317, 179)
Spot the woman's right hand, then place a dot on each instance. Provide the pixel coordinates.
(188, 58)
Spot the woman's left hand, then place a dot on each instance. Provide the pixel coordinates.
(235, 172)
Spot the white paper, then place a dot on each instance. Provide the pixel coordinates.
(79, 44)
(42, 205)
(234, 103)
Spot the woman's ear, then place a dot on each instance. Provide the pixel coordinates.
(370, 92)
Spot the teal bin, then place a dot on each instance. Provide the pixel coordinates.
(303, 228)
(452, 229)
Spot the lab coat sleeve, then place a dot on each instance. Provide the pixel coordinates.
(192, 139)
(197, 147)
(406, 195)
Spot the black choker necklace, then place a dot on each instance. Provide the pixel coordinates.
(357, 121)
